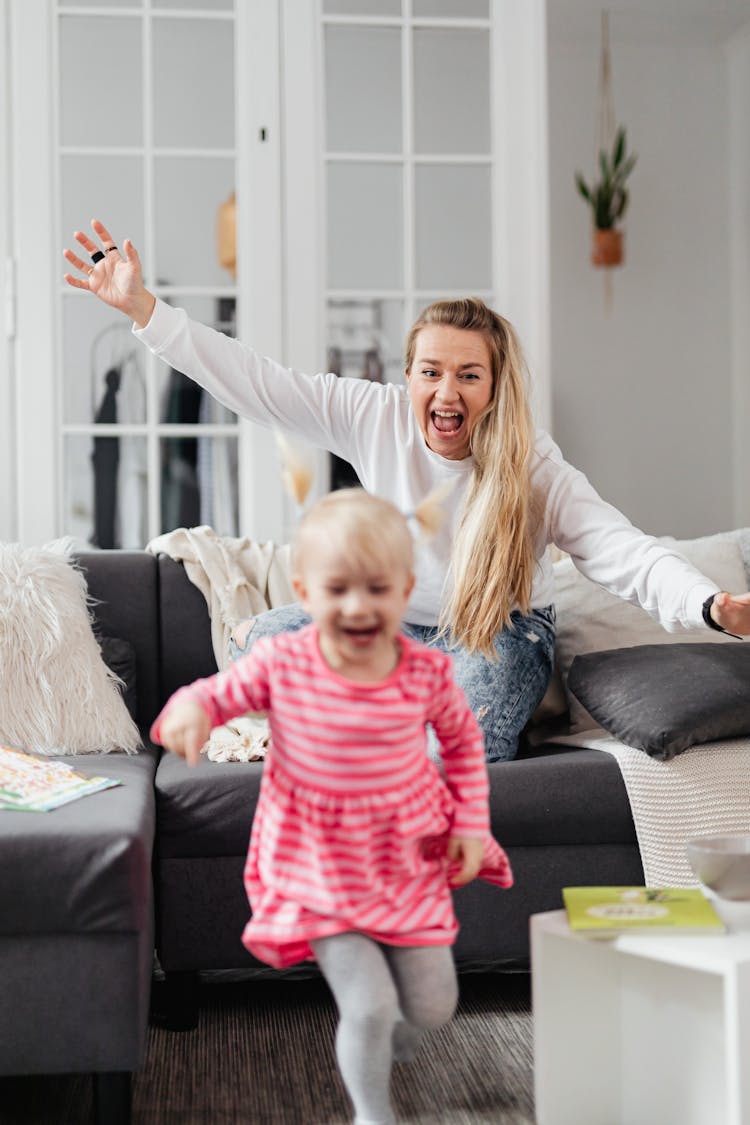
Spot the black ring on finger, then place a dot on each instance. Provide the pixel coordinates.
(108, 248)
(96, 256)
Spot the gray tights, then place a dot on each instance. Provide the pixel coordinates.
(386, 995)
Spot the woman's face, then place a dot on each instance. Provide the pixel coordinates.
(450, 384)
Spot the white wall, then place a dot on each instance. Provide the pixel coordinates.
(738, 51)
(642, 391)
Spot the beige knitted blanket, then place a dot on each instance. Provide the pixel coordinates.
(704, 791)
(239, 578)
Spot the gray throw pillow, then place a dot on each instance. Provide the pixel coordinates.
(119, 656)
(665, 698)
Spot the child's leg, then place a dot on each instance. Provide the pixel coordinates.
(425, 978)
(360, 979)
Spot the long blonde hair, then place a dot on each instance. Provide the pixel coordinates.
(492, 558)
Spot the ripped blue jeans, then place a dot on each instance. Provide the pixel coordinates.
(503, 695)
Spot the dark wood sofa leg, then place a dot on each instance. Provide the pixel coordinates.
(176, 1002)
(112, 1097)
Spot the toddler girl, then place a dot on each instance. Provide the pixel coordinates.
(357, 839)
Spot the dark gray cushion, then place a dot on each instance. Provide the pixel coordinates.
(86, 866)
(665, 698)
(123, 587)
(119, 656)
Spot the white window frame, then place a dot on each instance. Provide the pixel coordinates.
(280, 233)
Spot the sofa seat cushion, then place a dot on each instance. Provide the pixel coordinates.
(552, 795)
(560, 795)
(205, 810)
(85, 867)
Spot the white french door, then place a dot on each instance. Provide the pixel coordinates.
(382, 153)
(145, 116)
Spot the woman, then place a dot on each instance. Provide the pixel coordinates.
(484, 586)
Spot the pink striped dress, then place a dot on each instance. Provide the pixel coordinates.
(353, 818)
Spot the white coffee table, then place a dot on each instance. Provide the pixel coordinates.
(642, 1030)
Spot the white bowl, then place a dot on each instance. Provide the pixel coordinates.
(722, 863)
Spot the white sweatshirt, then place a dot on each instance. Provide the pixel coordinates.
(373, 427)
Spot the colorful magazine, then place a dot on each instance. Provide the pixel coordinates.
(29, 783)
(604, 912)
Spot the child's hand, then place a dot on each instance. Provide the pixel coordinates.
(468, 853)
(183, 728)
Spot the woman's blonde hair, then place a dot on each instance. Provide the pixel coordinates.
(366, 528)
(492, 559)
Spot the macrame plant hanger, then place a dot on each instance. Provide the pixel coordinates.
(606, 131)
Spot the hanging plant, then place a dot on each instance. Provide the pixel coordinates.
(608, 199)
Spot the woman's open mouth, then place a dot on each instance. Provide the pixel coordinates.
(447, 422)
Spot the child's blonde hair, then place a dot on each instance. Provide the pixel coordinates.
(368, 529)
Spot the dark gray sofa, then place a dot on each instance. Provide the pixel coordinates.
(563, 815)
(158, 862)
(76, 927)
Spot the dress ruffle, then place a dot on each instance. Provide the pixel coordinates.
(322, 863)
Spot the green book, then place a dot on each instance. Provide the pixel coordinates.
(605, 912)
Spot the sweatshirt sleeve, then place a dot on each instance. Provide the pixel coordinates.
(244, 686)
(322, 409)
(462, 752)
(606, 547)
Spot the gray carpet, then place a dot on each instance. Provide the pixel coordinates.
(262, 1054)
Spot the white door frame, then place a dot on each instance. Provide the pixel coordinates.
(7, 296)
(38, 271)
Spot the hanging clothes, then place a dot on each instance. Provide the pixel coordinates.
(374, 370)
(180, 494)
(104, 461)
(342, 474)
(132, 473)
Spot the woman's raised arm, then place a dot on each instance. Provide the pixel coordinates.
(113, 275)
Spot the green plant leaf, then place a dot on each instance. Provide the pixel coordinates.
(619, 148)
(582, 187)
(607, 197)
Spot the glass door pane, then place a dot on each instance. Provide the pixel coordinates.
(87, 61)
(144, 448)
(408, 164)
(363, 89)
(451, 91)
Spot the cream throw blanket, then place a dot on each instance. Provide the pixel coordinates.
(239, 578)
(704, 791)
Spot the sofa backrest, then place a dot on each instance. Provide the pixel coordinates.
(184, 629)
(124, 589)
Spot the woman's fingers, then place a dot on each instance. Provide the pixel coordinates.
(76, 282)
(130, 252)
(89, 246)
(84, 267)
(99, 228)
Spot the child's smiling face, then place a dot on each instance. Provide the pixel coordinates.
(357, 605)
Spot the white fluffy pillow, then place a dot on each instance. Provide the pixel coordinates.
(589, 619)
(57, 696)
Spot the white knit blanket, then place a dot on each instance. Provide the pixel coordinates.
(239, 578)
(704, 791)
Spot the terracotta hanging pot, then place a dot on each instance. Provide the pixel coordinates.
(607, 249)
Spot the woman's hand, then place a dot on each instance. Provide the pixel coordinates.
(468, 853)
(116, 278)
(183, 728)
(732, 612)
